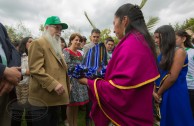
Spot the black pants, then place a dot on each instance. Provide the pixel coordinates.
(63, 112)
(191, 96)
(18, 111)
(45, 116)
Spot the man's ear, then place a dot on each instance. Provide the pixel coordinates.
(46, 27)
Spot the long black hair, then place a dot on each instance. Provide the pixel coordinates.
(137, 22)
(187, 42)
(22, 46)
(167, 45)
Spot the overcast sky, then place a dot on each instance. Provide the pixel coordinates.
(32, 13)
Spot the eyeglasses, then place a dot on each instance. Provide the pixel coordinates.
(58, 28)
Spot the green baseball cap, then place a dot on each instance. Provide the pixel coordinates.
(54, 20)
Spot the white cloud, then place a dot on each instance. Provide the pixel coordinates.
(32, 13)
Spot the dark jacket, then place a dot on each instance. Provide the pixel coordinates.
(13, 57)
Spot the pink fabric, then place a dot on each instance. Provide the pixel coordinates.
(132, 63)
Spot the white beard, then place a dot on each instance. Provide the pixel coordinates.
(54, 41)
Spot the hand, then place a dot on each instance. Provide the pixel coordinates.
(12, 74)
(157, 97)
(5, 87)
(59, 89)
(83, 81)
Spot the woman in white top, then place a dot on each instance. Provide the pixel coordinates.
(22, 87)
(183, 40)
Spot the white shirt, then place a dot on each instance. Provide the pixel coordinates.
(3, 56)
(24, 67)
(190, 73)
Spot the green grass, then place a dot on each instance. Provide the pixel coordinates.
(81, 117)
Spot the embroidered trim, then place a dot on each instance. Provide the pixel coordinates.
(164, 78)
(134, 86)
(98, 100)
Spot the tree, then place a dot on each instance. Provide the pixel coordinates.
(18, 32)
(105, 33)
(177, 27)
(187, 24)
(11, 33)
(41, 28)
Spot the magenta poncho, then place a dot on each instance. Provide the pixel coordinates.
(124, 97)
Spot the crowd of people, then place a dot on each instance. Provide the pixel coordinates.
(35, 80)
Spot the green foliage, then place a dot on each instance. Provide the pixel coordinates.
(11, 33)
(41, 28)
(105, 33)
(143, 2)
(187, 24)
(177, 27)
(152, 22)
(18, 32)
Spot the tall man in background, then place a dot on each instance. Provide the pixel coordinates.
(95, 37)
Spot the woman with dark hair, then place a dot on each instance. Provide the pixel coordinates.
(16, 44)
(171, 88)
(63, 43)
(24, 45)
(22, 87)
(183, 41)
(124, 97)
(78, 93)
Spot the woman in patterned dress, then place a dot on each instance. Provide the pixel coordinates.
(78, 93)
(22, 89)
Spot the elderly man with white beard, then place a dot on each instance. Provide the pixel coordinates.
(49, 82)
